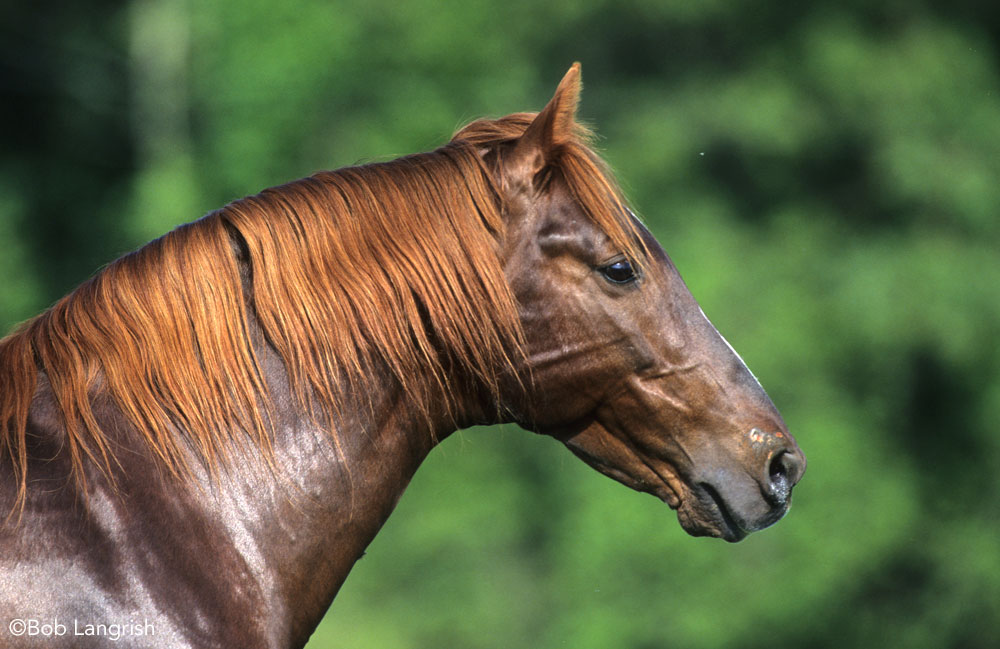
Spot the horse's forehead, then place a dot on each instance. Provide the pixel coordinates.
(557, 206)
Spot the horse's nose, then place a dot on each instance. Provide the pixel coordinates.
(784, 470)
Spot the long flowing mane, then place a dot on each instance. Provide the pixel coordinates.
(391, 265)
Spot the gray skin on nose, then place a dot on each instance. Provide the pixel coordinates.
(751, 497)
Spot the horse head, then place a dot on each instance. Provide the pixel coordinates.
(620, 362)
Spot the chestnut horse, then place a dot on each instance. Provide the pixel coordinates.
(198, 443)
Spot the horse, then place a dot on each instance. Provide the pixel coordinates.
(198, 443)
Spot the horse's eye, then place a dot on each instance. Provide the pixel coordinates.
(619, 272)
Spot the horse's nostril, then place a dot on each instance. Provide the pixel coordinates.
(782, 474)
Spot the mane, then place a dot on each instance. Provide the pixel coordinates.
(389, 265)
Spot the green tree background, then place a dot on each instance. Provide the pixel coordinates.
(826, 175)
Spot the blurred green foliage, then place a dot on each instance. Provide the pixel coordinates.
(826, 176)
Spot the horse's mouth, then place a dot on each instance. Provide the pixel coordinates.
(705, 512)
(701, 510)
(724, 524)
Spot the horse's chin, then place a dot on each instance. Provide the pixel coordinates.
(700, 518)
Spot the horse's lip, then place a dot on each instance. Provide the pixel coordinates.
(730, 529)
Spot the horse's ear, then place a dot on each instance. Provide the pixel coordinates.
(552, 127)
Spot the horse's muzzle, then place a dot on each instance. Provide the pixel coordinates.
(731, 502)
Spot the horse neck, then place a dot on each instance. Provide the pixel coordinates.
(328, 494)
